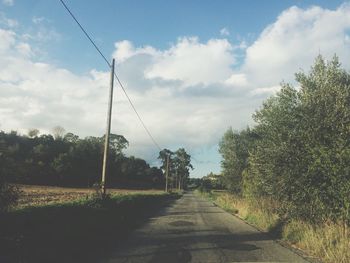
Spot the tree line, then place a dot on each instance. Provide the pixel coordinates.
(298, 152)
(64, 159)
(178, 164)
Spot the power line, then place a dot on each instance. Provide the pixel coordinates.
(109, 65)
(86, 34)
(137, 114)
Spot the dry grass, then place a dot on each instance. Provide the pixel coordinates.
(328, 242)
(42, 195)
(264, 219)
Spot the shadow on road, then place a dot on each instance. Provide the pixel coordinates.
(177, 247)
(77, 232)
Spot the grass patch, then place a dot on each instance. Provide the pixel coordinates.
(78, 231)
(329, 242)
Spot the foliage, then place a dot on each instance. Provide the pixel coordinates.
(179, 167)
(33, 133)
(328, 241)
(194, 183)
(234, 147)
(299, 151)
(67, 160)
(8, 193)
(182, 165)
(212, 182)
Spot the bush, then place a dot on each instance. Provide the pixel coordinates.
(8, 195)
(203, 189)
(298, 152)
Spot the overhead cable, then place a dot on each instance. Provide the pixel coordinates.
(116, 76)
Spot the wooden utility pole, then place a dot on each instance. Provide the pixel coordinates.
(175, 178)
(167, 173)
(108, 131)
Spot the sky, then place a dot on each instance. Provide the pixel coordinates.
(192, 68)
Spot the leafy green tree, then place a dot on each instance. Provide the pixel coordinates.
(71, 161)
(71, 138)
(33, 133)
(298, 153)
(8, 193)
(212, 181)
(117, 143)
(234, 148)
(58, 132)
(163, 154)
(182, 166)
(302, 154)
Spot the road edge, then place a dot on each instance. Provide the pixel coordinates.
(280, 242)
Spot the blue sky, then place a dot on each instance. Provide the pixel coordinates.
(193, 68)
(156, 23)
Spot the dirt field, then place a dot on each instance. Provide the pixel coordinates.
(40, 195)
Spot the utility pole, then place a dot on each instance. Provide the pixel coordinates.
(108, 131)
(166, 173)
(176, 178)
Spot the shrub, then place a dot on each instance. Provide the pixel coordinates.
(8, 195)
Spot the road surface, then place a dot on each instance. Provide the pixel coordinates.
(194, 230)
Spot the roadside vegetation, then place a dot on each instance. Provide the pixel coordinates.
(51, 205)
(63, 159)
(179, 167)
(290, 173)
(84, 230)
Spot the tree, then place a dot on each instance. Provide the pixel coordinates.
(164, 156)
(71, 161)
(212, 181)
(182, 165)
(234, 148)
(8, 193)
(117, 143)
(303, 150)
(70, 137)
(33, 133)
(58, 132)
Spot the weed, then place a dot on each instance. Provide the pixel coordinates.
(329, 242)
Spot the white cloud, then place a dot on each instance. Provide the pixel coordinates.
(224, 32)
(7, 39)
(294, 40)
(125, 49)
(8, 2)
(237, 80)
(41, 95)
(38, 20)
(24, 49)
(193, 62)
(7, 22)
(266, 90)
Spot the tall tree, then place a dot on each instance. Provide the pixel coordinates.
(58, 132)
(182, 165)
(33, 133)
(164, 156)
(234, 148)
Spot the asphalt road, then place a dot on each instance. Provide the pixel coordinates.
(194, 230)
